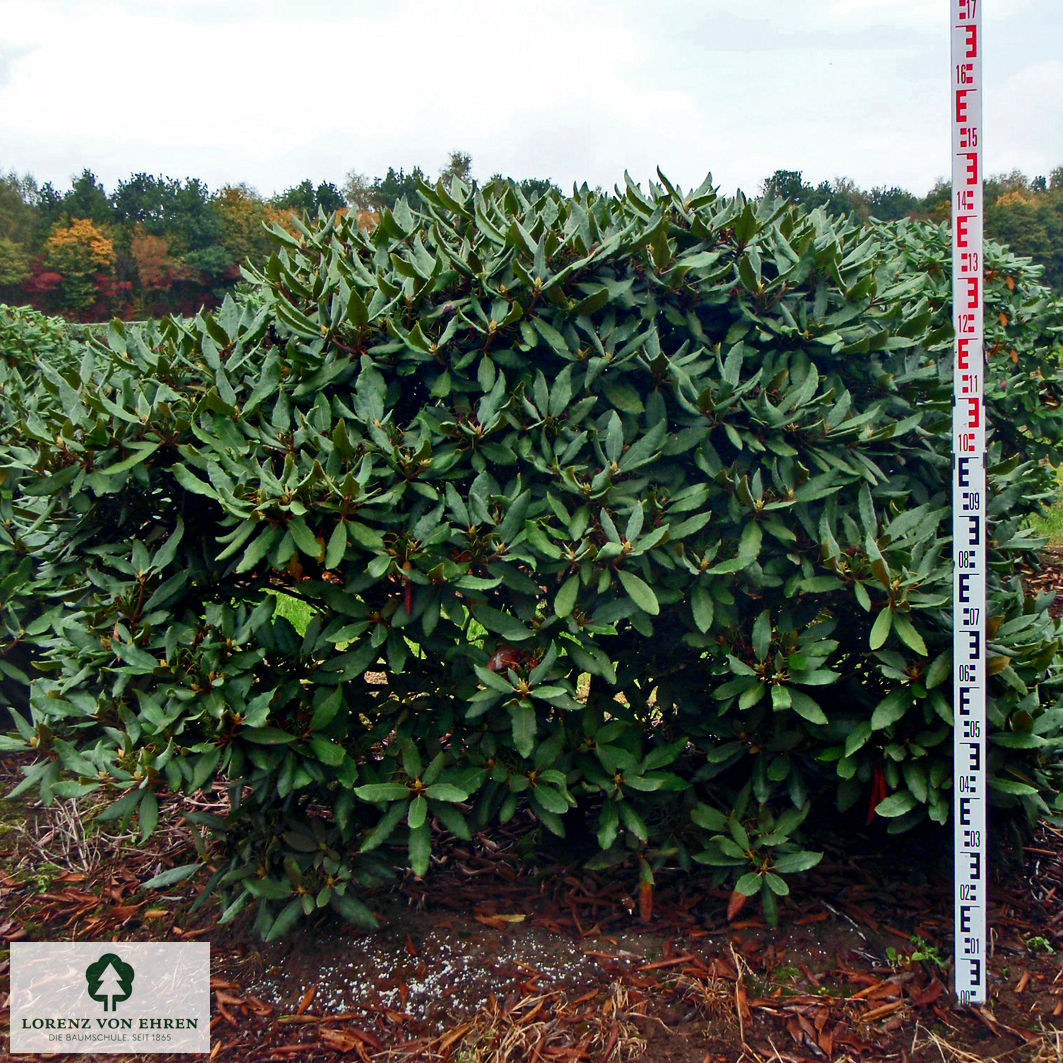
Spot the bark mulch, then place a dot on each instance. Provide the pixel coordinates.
(496, 956)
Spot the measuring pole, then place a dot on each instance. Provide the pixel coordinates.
(968, 506)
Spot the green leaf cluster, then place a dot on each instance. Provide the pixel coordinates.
(629, 513)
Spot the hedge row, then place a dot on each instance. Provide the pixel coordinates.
(628, 515)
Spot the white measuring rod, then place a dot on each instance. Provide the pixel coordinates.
(968, 506)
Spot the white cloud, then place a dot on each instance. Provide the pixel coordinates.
(269, 93)
(1024, 120)
(415, 82)
(919, 14)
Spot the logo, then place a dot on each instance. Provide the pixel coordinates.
(110, 980)
(110, 997)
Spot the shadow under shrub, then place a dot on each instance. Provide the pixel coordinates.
(629, 511)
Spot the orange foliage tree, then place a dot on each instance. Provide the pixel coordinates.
(84, 256)
(157, 270)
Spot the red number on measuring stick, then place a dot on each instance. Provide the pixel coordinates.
(963, 353)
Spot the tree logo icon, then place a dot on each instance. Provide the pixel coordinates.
(110, 980)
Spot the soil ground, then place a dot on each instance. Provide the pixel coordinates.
(493, 957)
(498, 957)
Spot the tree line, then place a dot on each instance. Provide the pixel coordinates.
(157, 245)
(1026, 213)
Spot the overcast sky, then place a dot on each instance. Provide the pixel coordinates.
(269, 92)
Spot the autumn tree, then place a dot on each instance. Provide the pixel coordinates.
(79, 246)
(243, 217)
(84, 256)
(14, 268)
(155, 267)
(181, 211)
(999, 184)
(1030, 221)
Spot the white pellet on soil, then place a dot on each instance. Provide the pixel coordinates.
(452, 973)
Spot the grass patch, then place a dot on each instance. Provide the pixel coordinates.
(1050, 525)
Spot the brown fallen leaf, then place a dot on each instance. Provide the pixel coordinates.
(71, 895)
(881, 1011)
(645, 901)
(227, 1015)
(307, 1000)
(369, 1039)
(610, 1044)
(735, 904)
(742, 1002)
(876, 983)
(125, 912)
(826, 1039)
(500, 921)
(453, 1035)
(11, 931)
(675, 960)
(317, 1020)
(927, 996)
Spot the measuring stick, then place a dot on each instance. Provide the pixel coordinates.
(968, 506)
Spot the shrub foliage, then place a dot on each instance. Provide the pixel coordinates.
(628, 515)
